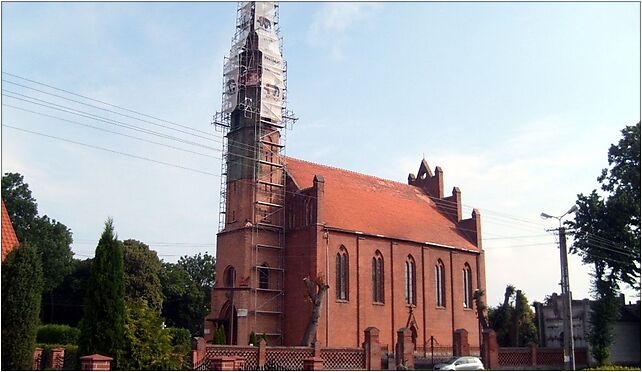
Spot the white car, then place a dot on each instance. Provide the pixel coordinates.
(466, 363)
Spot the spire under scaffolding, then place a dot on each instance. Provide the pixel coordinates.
(253, 112)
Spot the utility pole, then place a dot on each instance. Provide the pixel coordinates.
(569, 342)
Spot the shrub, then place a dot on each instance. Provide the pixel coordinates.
(181, 341)
(57, 334)
(252, 340)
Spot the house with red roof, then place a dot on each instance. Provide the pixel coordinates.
(9, 239)
(394, 255)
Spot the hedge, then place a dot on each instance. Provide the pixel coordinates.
(57, 334)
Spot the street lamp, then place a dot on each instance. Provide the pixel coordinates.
(569, 345)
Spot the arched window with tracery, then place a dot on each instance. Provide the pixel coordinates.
(377, 278)
(410, 281)
(230, 276)
(342, 289)
(440, 284)
(468, 287)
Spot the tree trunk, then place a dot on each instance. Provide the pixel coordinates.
(316, 293)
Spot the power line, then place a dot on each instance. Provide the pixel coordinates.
(112, 151)
(110, 131)
(103, 102)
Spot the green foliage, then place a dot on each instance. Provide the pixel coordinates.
(181, 341)
(252, 341)
(58, 334)
(513, 320)
(185, 303)
(612, 367)
(148, 345)
(219, 336)
(201, 269)
(607, 236)
(21, 206)
(21, 296)
(72, 358)
(51, 239)
(142, 270)
(69, 296)
(103, 324)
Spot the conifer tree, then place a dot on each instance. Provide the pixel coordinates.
(103, 324)
(21, 295)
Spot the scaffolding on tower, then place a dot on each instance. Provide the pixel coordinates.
(255, 96)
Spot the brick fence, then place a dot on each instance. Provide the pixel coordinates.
(530, 357)
(288, 358)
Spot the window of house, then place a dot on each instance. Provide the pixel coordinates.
(468, 288)
(377, 278)
(264, 276)
(410, 281)
(342, 274)
(440, 284)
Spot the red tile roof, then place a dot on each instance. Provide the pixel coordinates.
(9, 239)
(358, 202)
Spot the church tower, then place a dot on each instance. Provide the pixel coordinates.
(248, 295)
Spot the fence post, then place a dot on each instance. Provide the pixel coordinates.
(95, 362)
(198, 350)
(372, 349)
(404, 357)
(37, 357)
(489, 341)
(533, 349)
(460, 344)
(57, 358)
(262, 358)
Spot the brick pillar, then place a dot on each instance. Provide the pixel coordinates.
(404, 349)
(490, 347)
(198, 350)
(262, 357)
(372, 348)
(95, 362)
(223, 363)
(533, 349)
(460, 343)
(313, 364)
(56, 358)
(37, 357)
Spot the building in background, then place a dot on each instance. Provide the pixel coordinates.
(626, 346)
(394, 255)
(9, 239)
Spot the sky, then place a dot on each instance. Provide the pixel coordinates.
(517, 102)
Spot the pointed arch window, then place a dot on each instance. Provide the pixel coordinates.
(468, 287)
(440, 284)
(377, 278)
(230, 276)
(342, 289)
(410, 281)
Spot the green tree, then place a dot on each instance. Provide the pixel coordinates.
(21, 296)
(51, 239)
(513, 320)
(21, 206)
(201, 269)
(184, 305)
(103, 324)
(69, 296)
(147, 345)
(142, 274)
(607, 236)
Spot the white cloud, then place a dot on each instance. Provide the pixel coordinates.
(331, 25)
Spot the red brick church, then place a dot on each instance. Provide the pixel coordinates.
(393, 254)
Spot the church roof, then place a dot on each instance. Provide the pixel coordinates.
(9, 239)
(358, 202)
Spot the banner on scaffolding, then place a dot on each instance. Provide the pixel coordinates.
(230, 83)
